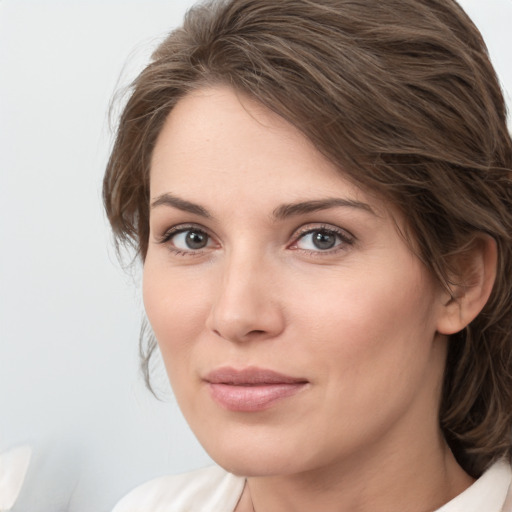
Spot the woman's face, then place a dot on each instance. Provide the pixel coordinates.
(297, 327)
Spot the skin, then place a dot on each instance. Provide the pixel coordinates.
(362, 322)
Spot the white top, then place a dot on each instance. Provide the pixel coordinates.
(214, 490)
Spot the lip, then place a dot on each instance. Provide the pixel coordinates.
(251, 389)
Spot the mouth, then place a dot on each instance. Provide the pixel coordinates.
(251, 389)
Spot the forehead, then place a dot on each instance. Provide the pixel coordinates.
(218, 143)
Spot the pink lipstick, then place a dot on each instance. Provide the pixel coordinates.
(251, 389)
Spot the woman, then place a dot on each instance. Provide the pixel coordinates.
(321, 194)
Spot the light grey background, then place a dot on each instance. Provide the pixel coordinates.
(69, 315)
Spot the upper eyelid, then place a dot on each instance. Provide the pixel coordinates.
(313, 226)
(184, 226)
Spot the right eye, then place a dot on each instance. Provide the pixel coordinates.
(187, 240)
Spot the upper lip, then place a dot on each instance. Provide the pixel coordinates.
(249, 376)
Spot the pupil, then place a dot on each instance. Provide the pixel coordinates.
(196, 240)
(323, 240)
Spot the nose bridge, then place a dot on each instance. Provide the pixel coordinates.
(245, 304)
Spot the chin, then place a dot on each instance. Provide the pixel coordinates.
(253, 466)
(258, 455)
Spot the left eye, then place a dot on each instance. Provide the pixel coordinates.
(319, 240)
(190, 240)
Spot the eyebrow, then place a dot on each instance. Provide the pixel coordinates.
(180, 204)
(289, 210)
(282, 212)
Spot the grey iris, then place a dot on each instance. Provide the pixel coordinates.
(196, 239)
(324, 240)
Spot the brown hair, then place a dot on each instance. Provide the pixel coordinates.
(400, 95)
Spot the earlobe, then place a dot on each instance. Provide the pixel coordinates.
(476, 272)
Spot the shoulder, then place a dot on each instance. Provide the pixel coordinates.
(211, 489)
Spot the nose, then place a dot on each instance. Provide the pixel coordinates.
(246, 306)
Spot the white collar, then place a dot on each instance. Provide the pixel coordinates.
(487, 494)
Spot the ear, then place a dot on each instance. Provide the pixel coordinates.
(475, 270)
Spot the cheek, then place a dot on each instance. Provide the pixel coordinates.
(370, 323)
(368, 341)
(176, 309)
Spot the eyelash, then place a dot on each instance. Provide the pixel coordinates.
(345, 239)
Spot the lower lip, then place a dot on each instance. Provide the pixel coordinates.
(252, 398)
